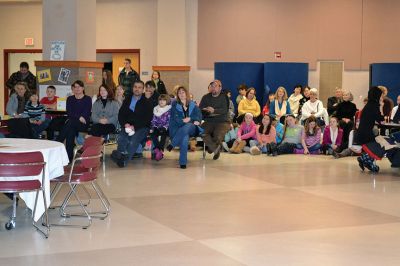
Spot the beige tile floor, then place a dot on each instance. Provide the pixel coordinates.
(239, 210)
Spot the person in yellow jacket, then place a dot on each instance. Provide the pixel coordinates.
(249, 105)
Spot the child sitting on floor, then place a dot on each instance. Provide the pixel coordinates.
(279, 130)
(311, 137)
(291, 136)
(266, 138)
(230, 137)
(159, 125)
(332, 137)
(246, 132)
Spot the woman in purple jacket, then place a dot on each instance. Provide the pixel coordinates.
(79, 107)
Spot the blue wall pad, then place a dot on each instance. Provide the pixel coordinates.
(233, 74)
(287, 75)
(388, 75)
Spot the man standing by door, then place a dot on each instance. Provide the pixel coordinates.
(23, 75)
(127, 77)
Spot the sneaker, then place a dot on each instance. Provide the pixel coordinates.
(225, 146)
(360, 163)
(217, 152)
(169, 147)
(375, 168)
(121, 163)
(158, 154)
(183, 166)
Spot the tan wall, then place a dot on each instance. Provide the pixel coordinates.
(129, 24)
(171, 33)
(122, 24)
(13, 31)
(359, 32)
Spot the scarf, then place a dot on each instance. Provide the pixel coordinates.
(280, 111)
(159, 111)
(334, 134)
(156, 82)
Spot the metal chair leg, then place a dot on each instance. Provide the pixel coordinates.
(63, 206)
(46, 224)
(11, 224)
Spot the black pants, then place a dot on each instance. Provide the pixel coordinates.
(100, 130)
(347, 127)
(286, 148)
(159, 132)
(20, 128)
(56, 124)
(68, 133)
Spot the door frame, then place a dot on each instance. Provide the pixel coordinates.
(6, 53)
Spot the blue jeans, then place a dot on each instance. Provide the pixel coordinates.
(314, 147)
(129, 144)
(181, 139)
(37, 129)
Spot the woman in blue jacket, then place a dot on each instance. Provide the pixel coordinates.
(184, 123)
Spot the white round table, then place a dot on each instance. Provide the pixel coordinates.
(54, 155)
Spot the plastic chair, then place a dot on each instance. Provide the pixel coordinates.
(22, 165)
(84, 170)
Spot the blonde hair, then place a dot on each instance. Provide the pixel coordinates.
(314, 91)
(285, 96)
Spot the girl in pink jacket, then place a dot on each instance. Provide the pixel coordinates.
(266, 138)
(246, 133)
(333, 135)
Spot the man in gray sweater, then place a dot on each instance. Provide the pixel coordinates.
(215, 109)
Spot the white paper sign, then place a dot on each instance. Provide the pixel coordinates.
(57, 50)
(61, 104)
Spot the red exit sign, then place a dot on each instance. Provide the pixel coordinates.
(28, 41)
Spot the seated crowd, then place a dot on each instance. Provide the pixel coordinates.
(295, 124)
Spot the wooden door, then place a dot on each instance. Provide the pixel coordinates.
(118, 63)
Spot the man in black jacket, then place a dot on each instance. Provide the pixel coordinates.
(127, 77)
(134, 117)
(334, 101)
(23, 75)
(215, 109)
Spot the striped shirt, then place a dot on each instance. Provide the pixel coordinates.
(34, 112)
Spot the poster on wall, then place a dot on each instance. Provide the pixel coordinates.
(43, 75)
(89, 77)
(57, 49)
(64, 75)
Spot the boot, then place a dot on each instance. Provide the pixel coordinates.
(192, 144)
(255, 150)
(237, 147)
(234, 147)
(240, 146)
(273, 149)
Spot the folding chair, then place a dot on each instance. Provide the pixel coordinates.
(16, 165)
(84, 170)
(78, 150)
